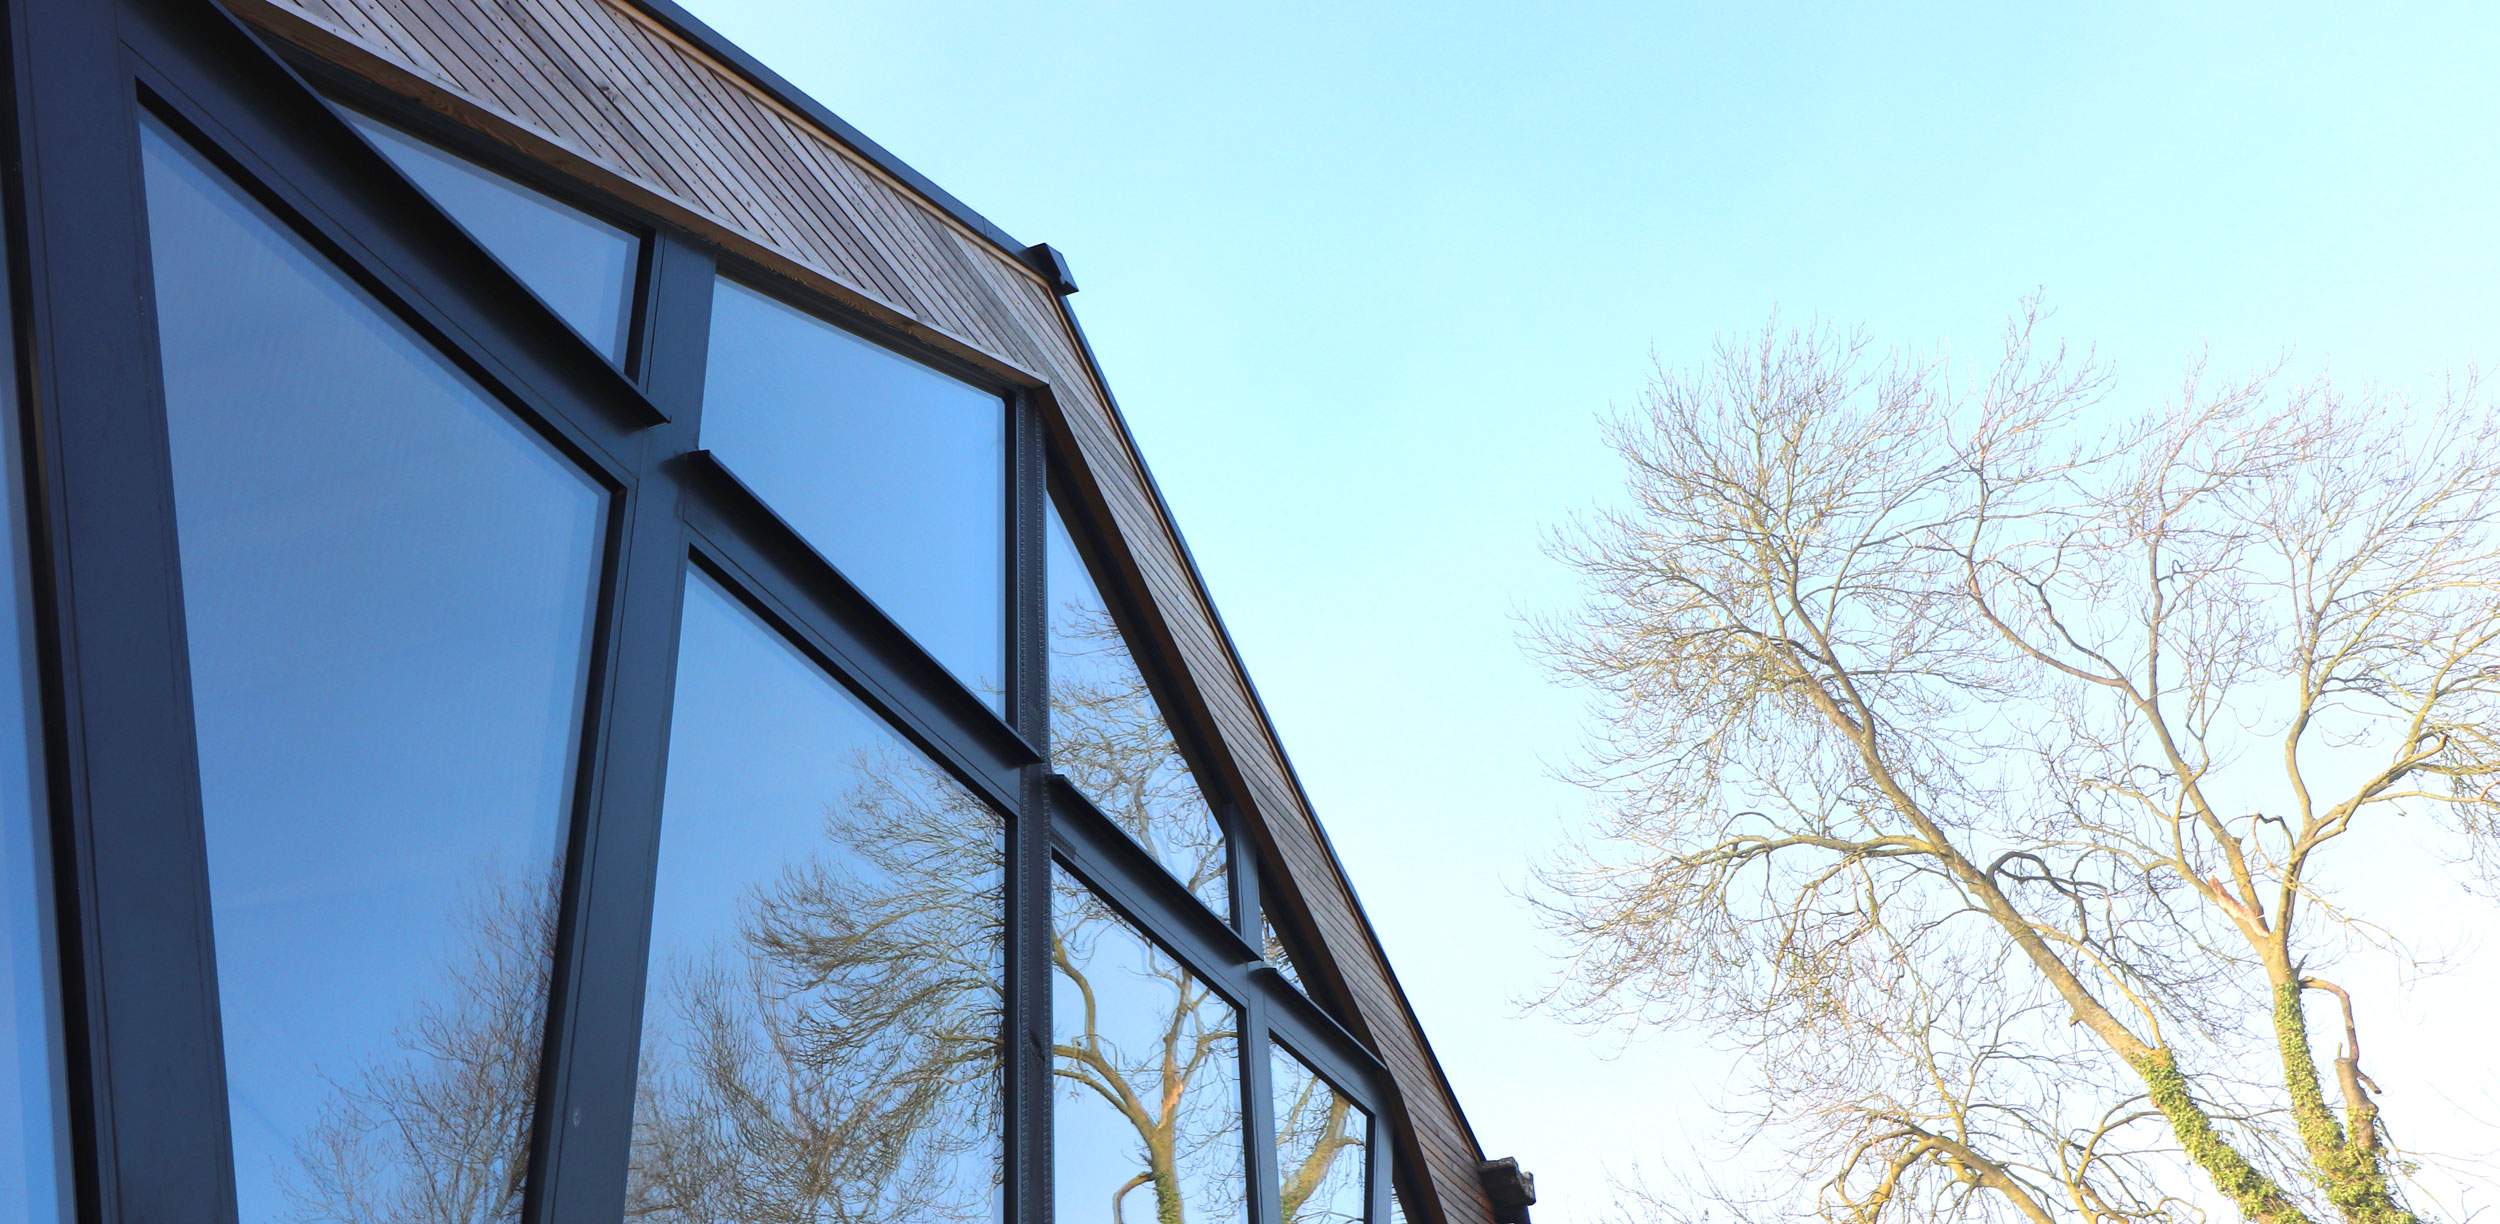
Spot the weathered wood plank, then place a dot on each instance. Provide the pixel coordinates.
(591, 70)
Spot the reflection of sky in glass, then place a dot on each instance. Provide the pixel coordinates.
(827, 957)
(1320, 1138)
(1147, 1123)
(387, 584)
(580, 266)
(1109, 738)
(29, 1156)
(894, 472)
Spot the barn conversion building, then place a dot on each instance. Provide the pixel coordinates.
(593, 647)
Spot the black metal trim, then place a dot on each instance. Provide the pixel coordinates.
(146, 1078)
(1046, 259)
(37, 649)
(1258, 1111)
(769, 557)
(595, 1010)
(1029, 1197)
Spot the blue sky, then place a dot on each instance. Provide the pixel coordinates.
(1363, 278)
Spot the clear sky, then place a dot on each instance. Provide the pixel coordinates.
(1363, 276)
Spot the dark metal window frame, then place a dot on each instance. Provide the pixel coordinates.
(145, 1057)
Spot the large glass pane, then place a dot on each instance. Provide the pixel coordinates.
(828, 951)
(1320, 1142)
(580, 266)
(893, 471)
(387, 581)
(1109, 738)
(32, 1181)
(1147, 1125)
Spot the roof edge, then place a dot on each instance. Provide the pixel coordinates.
(730, 55)
(1267, 721)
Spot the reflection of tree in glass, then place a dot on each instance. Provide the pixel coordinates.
(1275, 951)
(437, 1131)
(842, 1064)
(1319, 1148)
(1133, 1032)
(1109, 738)
(1172, 1081)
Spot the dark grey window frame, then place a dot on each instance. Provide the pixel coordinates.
(148, 1128)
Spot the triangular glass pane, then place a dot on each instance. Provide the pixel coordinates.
(580, 266)
(1277, 952)
(1109, 738)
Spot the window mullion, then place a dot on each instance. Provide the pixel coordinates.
(148, 1100)
(594, 1030)
(1259, 1111)
(1028, 888)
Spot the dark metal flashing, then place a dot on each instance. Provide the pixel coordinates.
(691, 28)
(1046, 259)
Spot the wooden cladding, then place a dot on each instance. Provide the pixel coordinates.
(608, 95)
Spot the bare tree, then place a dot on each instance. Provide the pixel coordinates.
(1978, 768)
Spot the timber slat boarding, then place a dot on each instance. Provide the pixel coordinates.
(601, 91)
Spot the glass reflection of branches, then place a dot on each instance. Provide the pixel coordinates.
(436, 1130)
(1149, 1059)
(840, 1061)
(1277, 952)
(1320, 1137)
(822, 1038)
(438, 1127)
(1109, 738)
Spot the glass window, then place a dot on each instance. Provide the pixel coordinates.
(894, 472)
(1274, 949)
(582, 267)
(1109, 738)
(1320, 1139)
(32, 1178)
(387, 582)
(828, 951)
(1147, 1125)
